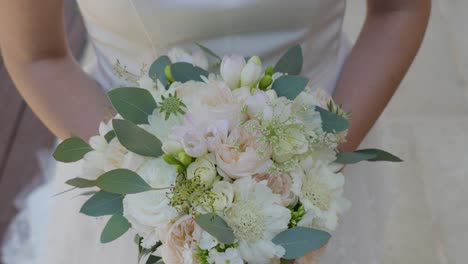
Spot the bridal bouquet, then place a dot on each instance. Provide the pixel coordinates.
(218, 161)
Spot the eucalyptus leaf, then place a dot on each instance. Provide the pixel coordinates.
(298, 241)
(156, 70)
(289, 86)
(184, 72)
(209, 51)
(217, 227)
(71, 150)
(345, 157)
(103, 203)
(152, 259)
(81, 183)
(380, 155)
(291, 62)
(115, 228)
(331, 122)
(133, 104)
(122, 181)
(136, 139)
(109, 136)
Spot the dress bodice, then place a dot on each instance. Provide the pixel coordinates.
(138, 31)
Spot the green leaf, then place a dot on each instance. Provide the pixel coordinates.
(71, 150)
(153, 259)
(209, 52)
(157, 70)
(103, 203)
(217, 227)
(345, 157)
(81, 183)
(115, 228)
(109, 136)
(331, 122)
(122, 181)
(289, 86)
(134, 104)
(298, 241)
(291, 61)
(184, 72)
(136, 139)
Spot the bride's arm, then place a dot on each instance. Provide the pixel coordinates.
(34, 48)
(386, 47)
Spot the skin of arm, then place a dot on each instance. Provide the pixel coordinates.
(36, 53)
(388, 42)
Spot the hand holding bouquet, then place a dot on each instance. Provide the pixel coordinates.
(218, 161)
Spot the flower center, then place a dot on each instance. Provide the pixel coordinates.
(171, 105)
(247, 221)
(317, 193)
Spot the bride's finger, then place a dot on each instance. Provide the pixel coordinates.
(312, 257)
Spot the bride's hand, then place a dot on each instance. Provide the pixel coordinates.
(312, 257)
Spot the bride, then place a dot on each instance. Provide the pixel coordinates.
(70, 100)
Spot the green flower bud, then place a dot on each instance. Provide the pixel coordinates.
(184, 158)
(168, 73)
(179, 168)
(169, 159)
(265, 82)
(269, 70)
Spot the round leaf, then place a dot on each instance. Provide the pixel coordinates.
(298, 241)
(289, 86)
(156, 70)
(184, 72)
(291, 62)
(331, 122)
(134, 104)
(103, 203)
(71, 150)
(216, 227)
(380, 155)
(115, 228)
(81, 183)
(136, 139)
(122, 181)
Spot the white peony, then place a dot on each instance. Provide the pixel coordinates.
(320, 190)
(256, 217)
(230, 256)
(149, 212)
(231, 69)
(194, 143)
(216, 134)
(204, 169)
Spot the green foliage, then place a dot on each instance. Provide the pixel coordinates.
(365, 154)
(122, 181)
(109, 136)
(331, 122)
(71, 150)
(209, 52)
(136, 139)
(115, 228)
(133, 104)
(298, 241)
(184, 72)
(217, 227)
(103, 203)
(291, 62)
(81, 183)
(156, 70)
(289, 86)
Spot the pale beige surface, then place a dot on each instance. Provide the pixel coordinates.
(427, 124)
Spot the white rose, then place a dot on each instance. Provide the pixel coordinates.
(252, 72)
(194, 144)
(204, 169)
(224, 193)
(231, 69)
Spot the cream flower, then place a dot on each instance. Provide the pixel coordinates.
(160, 127)
(216, 134)
(256, 216)
(243, 155)
(180, 240)
(230, 256)
(231, 68)
(252, 72)
(149, 212)
(224, 195)
(257, 103)
(280, 184)
(194, 143)
(204, 169)
(320, 190)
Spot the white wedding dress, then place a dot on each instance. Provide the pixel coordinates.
(50, 230)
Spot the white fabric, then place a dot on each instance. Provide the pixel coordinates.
(137, 32)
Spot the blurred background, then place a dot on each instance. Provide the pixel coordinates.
(426, 123)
